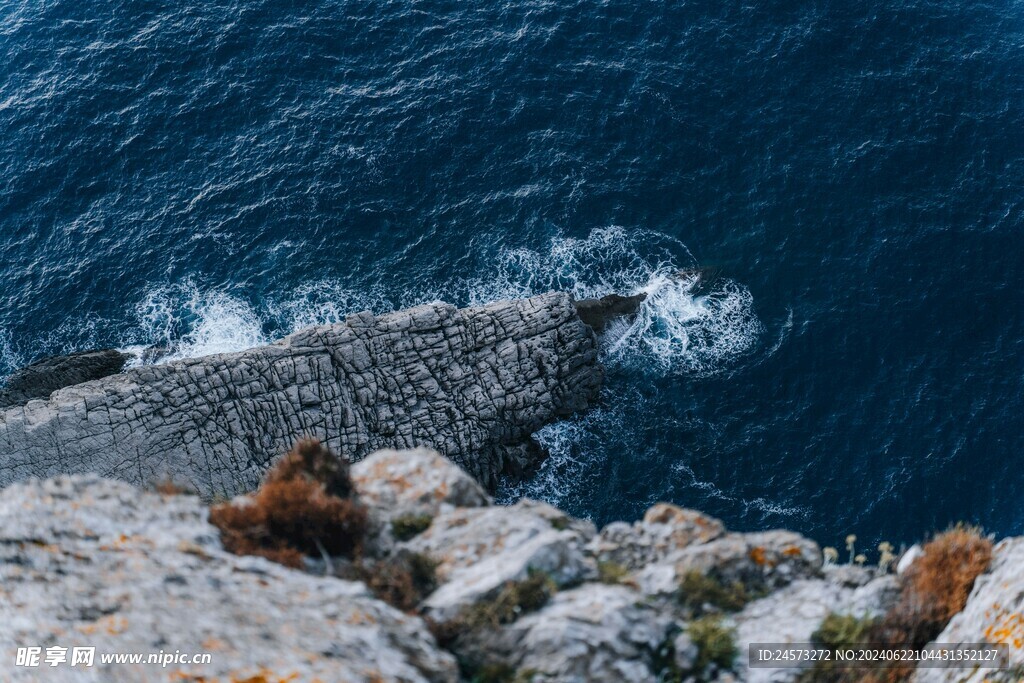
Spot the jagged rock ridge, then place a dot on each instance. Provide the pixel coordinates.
(472, 383)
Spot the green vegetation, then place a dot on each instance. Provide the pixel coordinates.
(405, 527)
(838, 630)
(401, 581)
(716, 644)
(699, 591)
(611, 572)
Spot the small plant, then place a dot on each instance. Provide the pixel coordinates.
(933, 590)
(698, 591)
(663, 662)
(560, 523)
(497, 672)
(514, 599)
(851, 542)
(937, 585)
(716, 644)
(885, 556)
(611, 572)
(831, 556)
(302, 508)
(839, 630)
(405, 527)
(402, 581)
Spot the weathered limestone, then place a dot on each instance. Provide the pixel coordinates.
(473, 384)
(92, 562)
(793, 613)
(664, 529)
(764, 560)
(419, 483)
(994, 614)
(479, 549)
(87, 561)
(590, 634)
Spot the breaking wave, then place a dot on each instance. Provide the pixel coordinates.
(689, 323)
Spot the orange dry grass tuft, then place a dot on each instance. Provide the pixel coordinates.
(302, 508)
(937, 585)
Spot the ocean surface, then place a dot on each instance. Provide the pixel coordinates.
(851, 174)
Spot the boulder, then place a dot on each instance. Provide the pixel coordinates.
(91, 562)
(411, 485)
(793, 613)
(597, 313)
(664, 529)
(478, 550)
(595, 633)
(761, 561)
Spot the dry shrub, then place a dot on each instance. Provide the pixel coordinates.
(402, 580)
(936, 586)
(302, 508)
(933, 590)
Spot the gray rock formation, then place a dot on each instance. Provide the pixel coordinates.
(92, 562)
(45, 376)
(88, 561)
(591, 634)
(597, 313)
(480, 549)
(473, 384)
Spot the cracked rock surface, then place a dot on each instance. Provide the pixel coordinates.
(473, 384)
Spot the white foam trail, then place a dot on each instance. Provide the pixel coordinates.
(323, 302)
(680, 329)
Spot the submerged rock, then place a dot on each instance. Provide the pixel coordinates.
(45, 376)
(474, 384)
(597, 313)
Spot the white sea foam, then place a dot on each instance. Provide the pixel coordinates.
(10, 359)
(685, 326)
(680, 329)
(190, 322)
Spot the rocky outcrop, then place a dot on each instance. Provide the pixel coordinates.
(88, 562)
(473, 384)
(481, 549)
(597, 313)
(45, 376)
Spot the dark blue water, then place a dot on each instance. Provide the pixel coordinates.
(220, 173)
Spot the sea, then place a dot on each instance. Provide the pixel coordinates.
(823, 200)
